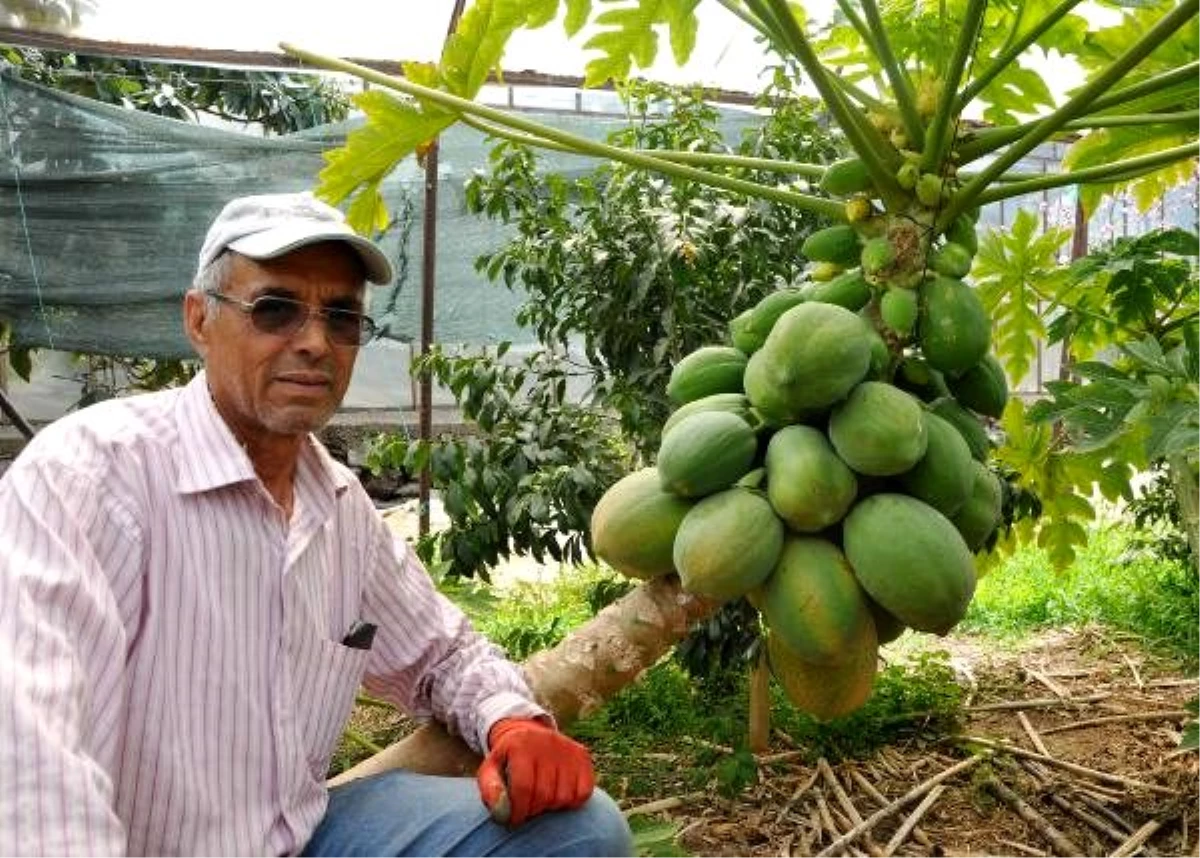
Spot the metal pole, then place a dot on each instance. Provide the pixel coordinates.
(428, 280)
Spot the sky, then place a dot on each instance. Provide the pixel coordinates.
(726, 54)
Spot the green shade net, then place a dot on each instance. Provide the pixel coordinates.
(103, 211)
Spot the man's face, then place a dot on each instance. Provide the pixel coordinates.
(272, 388)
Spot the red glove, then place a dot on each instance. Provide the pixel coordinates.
(540, 767)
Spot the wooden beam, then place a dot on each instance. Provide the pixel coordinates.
(184, 55)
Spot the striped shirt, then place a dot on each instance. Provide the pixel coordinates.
(171, 674)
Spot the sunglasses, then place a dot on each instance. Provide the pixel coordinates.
(284, 317)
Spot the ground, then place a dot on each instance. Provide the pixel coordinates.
(1133, 785)
(1106, 713)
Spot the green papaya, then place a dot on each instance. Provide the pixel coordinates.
(952, 260)
(967, 424)
(826, 692)
(734, 403)
(838, 244)
(846, 177)
(898, 310)
(808, 485)
(727, 544)
(879, 430)
(982, 388)
(634, 523)
(754, 324)
(849, 289)
(705, 371)
(705, 453)
(980, 515)
(943, 476)
(953, 328)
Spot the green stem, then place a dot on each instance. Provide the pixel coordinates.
(1074, 108)
(359, 739)
(1116, 171)
(1014, 50)
(1157, 83)
(937, 143)
(575, 143)
(990, 140)
(675, 156)
(864, 138)
(901, 86)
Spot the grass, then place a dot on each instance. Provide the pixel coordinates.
(1111, 583)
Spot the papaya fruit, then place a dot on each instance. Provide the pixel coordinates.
(943, 476)
(879, 430)
(914, 374)
(981, 512)
(953, 329)
(962, 232)
(634, 523)
(838, 244)
(811, 359)
(705, 452)
(808, 485)
(898, 310)
(754, 324)
(825, 692)
(846, 177)
(734, 403)
(966, 423)
(813, 602)
(911, 560)
(849, 289)
(705, 371)
(952, 259)
(887, 627)
(727, 544)
(982, 388)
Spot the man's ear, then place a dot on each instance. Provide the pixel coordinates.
(195, 314)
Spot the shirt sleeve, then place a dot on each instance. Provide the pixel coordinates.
(62, 651)
(428, 659)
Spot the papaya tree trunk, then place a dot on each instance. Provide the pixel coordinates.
(1184, 480)
(758, 734)
(571, 680)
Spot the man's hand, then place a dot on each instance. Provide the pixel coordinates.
(541, 769)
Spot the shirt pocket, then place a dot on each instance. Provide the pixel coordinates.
(325, 680)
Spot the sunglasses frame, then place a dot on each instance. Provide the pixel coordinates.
(366, 325)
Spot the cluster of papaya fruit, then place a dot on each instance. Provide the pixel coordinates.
(828, 461)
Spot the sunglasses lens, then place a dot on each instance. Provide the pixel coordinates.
(347, 328)
(277, 315)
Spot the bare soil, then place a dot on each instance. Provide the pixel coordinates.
(1093, 725)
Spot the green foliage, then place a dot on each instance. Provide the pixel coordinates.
(627, 37)
(653, 838)
(1015, 269)
(527, 476)
(1158, 519)
(1113, 582)
(280, 102)
(637, 270)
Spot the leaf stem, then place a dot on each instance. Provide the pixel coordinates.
(1075, 107)
(989, 140)
(864, 138)
(676, 156)
(581, 145)
(1154, 84)
(901, 86)
(937, 143)
(1014, 50)
(1115, 171)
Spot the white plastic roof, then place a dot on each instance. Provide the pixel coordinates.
(726, 54)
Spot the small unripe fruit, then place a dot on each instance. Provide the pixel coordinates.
(929, 189)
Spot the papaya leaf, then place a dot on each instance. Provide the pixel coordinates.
(628, 36)
(578, 12)
(477, 45)
(1013, 270)
(1108, 145)
(394, 129)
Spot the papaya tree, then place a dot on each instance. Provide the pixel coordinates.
(886, 353)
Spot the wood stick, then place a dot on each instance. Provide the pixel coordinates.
(826, 817)
(910, 796)
(778, 757)
(1165, 715)
(1108, 813)
(1032, 733)
(1059, 842)
(844, 800)
(800, 791)
(910, 823)
(1135, 842)
(669, 803)
(1088, 818)
(1137, 677)
(1063, 764)
(1021, 847)
(918, 834)
(1038, 702)
(1055, 689)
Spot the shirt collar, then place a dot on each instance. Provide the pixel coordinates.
(211, 457)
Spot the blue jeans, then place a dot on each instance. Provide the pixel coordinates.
(402, 813)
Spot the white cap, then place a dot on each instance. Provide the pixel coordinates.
(269, 225)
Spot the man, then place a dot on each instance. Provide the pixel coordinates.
(192, 591)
